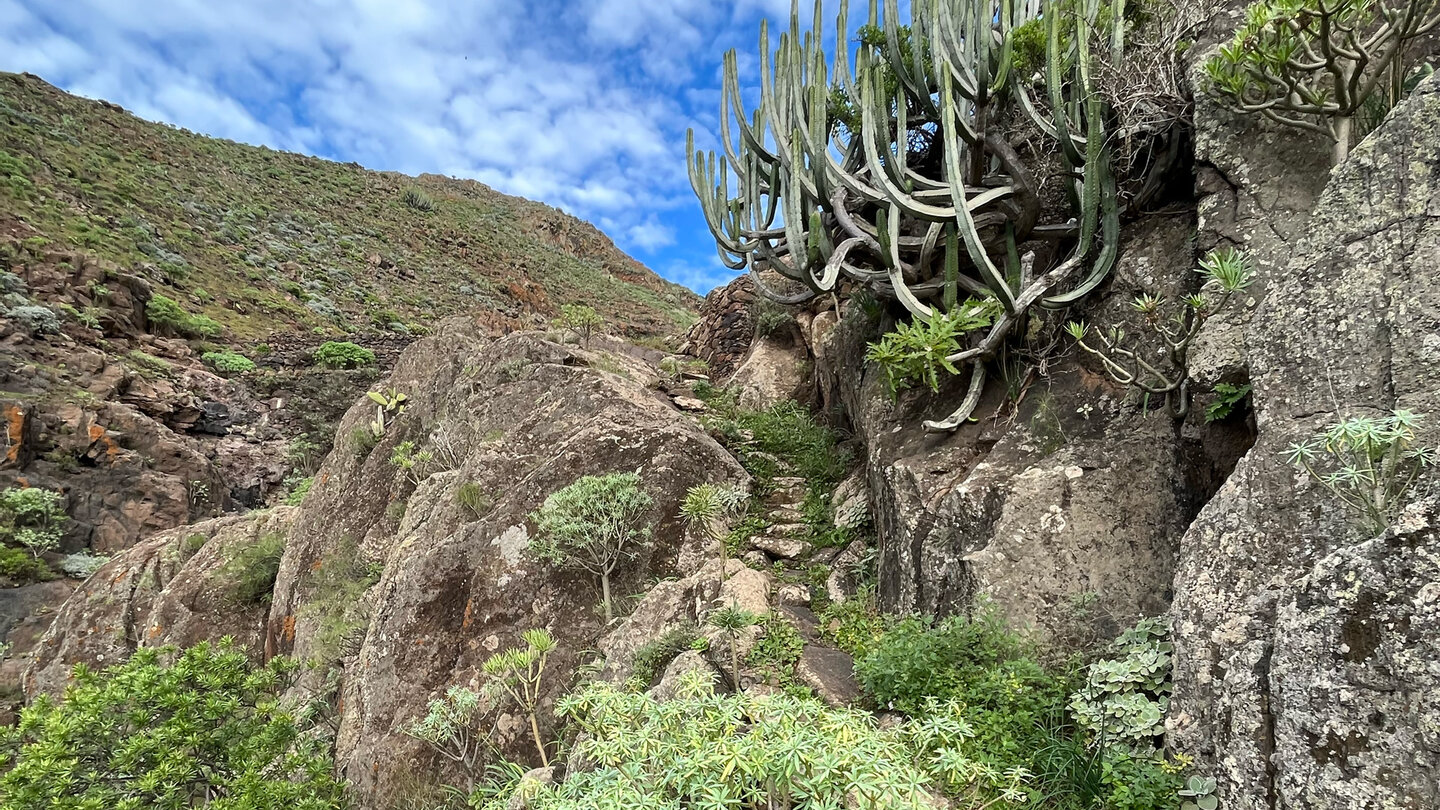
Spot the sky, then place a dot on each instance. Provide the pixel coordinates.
(582, 104)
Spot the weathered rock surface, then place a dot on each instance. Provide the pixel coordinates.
(170, 589)
(518, 418)
(1073, 491)
(721, 336)
(777, 369)
(1265, 600)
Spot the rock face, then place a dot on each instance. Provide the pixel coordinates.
(721, 336)
(1304, 676)
(1070, 493)
(171, 589)
(510, 421)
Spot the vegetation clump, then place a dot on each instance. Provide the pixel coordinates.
(169, 730)
(228, 362)
(1368, 464)
(253, 568)
(593, 525)
(518, 673)
(344, 355)
(36, 320)
(1314, 65)
(33, 518)
(166, 315)
(582, 320)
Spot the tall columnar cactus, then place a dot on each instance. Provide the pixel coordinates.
(888, 169)
(1313, 64)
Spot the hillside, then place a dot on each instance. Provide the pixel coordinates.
(264, 241)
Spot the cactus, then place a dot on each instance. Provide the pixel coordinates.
(1226, 271)
(390, 402)
(1313, 64)
(887, 171)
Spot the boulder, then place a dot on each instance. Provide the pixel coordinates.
(831, 673)
(511, 420)
(684, 663)
(171, 589)
(1299, 641)
(776, 370)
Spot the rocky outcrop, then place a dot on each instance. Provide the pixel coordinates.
(173, 588)
(1062, 490)
(721, 335)
(444, 577)
(1288, 623)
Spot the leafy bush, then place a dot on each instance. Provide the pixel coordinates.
(854, 625)
(918, 350)
(1126, 695)
(709, 750)
(251, 570)
(33, 518)
(82, 565)
(418, 200)
(36, 320)
(228, 362)
(299, 491)
(652, 658)
(776, 651)
(473, 498)
(916, 661)
(208, 730)
(23, 567)
(450, 726)
(166, 314)
(343, 354)
(593, 525)
(517, 674)
(1372, 464)
(581, 320)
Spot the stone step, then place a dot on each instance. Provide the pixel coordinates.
(785, 548)
(787, 530)
(784, 515)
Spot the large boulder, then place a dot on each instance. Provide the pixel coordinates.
(409, 580)
(1265, 577)
(173, 588)
(1062, 490)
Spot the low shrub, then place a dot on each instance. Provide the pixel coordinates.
(470, 496)
(417, 200)
(33, 518)
(22, 567)
(252, 570)
(166, 314)
(299, 491)
(228, 362)
(776, 651)
(343, 354)
(36, 320)
(652, 658)
(151, 733)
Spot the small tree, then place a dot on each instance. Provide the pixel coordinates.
(449, 726)
(581, 320)
(592, 525)
(732, 621)
(208, 730)
(1313, 64)
(518, 672)
(33, 518)
(707, 508)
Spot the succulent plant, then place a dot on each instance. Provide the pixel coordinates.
(889, 173)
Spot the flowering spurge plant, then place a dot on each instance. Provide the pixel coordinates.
(449, 726)
(1162, 372)
(1314, 64)
(1368, 464)
(517, 674)
(747, 751)
(1125, 697)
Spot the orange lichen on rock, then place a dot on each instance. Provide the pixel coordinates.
(287, 629)
(465, 622)
(14, 431)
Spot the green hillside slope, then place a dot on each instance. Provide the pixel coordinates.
(264, 241)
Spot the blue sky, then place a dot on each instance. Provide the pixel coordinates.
(582, 104)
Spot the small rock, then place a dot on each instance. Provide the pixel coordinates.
(529, 783)
(690, 404)
(831, 673)
(782, 547)
(685, 662)
(844, 579)
(756, 559)
(793, 594)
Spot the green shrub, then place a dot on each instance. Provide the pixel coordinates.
(470, 496)
(1367, 464)
(343, 354)
(252, 569)
(917, 351)
(770, 317)
(300, 490)
(854, 625)
(36, 320)
(581, 320)
(167, 315)
(228, 362)
(592, 525)
(776, 651)
(786, 432)
(33, 518)
(147, 734)
(652, 658)
(23, 567)
(418, 200)
(1126, 695)
(362, 441)
(148, 364)
(709, 750)
(1227, 398)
